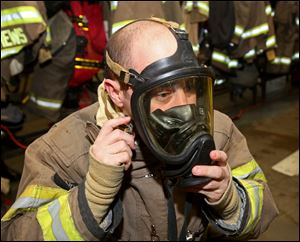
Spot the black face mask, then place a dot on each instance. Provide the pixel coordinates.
(177, 127)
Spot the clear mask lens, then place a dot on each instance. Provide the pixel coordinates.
(176, 112)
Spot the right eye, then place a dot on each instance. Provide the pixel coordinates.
(162, 95)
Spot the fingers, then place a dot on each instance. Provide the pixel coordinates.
(114, 146)
(219, 157)
(111, 124)
(110, 133)
(216, 170)
(119, 135)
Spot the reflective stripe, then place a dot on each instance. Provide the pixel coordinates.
(297, 21)
(268, 10)
(281, 60)
(48, 36)
(56, 221)
(271, 41)
(89, 64)
(273, 13)
(188, 5)
(46, 103)
(238, 30)
(250, 170)
(233, 64)
(196, 48)
(219, 81)
(255, 194)
(86, 67)
(114, 5)
(25, 202)
(262, 29)
(203, 5)
(219, 57)
(182, 26)
(57, 228)
(21, 15)
(118, 25)
(295, 56)
(86, 60)
(11, 51)
(250, 54)
(32, 197)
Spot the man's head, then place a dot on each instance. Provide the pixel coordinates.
(136, 46)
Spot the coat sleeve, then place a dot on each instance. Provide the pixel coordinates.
(258, 206)
(51, 202)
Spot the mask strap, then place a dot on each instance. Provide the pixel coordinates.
(119, 70)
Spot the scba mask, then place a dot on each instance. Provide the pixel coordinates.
(172, 109)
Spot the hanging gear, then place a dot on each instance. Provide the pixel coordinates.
(87, 18)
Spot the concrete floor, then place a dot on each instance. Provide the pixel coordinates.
(272, 131)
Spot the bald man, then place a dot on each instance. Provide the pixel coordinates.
(106, 172)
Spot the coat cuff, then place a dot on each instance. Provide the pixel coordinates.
(108, 224)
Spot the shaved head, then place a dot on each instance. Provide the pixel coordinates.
(141, 43)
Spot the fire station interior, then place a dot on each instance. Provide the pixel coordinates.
(266, 111)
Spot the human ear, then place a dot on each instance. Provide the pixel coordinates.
(113, 89)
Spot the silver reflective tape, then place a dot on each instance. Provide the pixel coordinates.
(57, 227)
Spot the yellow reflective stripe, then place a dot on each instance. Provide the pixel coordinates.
(219, 57)
(271, 41)
(67, 220)
(45, 220)
(86, 67)
(48, 36)
(86, 60)
(281, 61)
(56, 221)
(182, 26)
(118, 25)
(13, 212)
(262, 29)
(52, 104)
(20, 15)
(11, 51)
(250, 170)
(196, 48)
(238, 30)
(295, 56)
(255, 194)
(249, 54)
(268, 10)
(188, 5)
(42, 192)
(33, 197)
(203, 5)
(114, 5)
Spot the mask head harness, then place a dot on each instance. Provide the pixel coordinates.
(181, 135)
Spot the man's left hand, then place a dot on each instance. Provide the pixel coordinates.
(219, 174)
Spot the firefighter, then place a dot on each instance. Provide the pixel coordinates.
(151, 160)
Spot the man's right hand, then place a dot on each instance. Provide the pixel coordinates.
(112, 145)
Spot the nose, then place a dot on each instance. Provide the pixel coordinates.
(181, 97)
